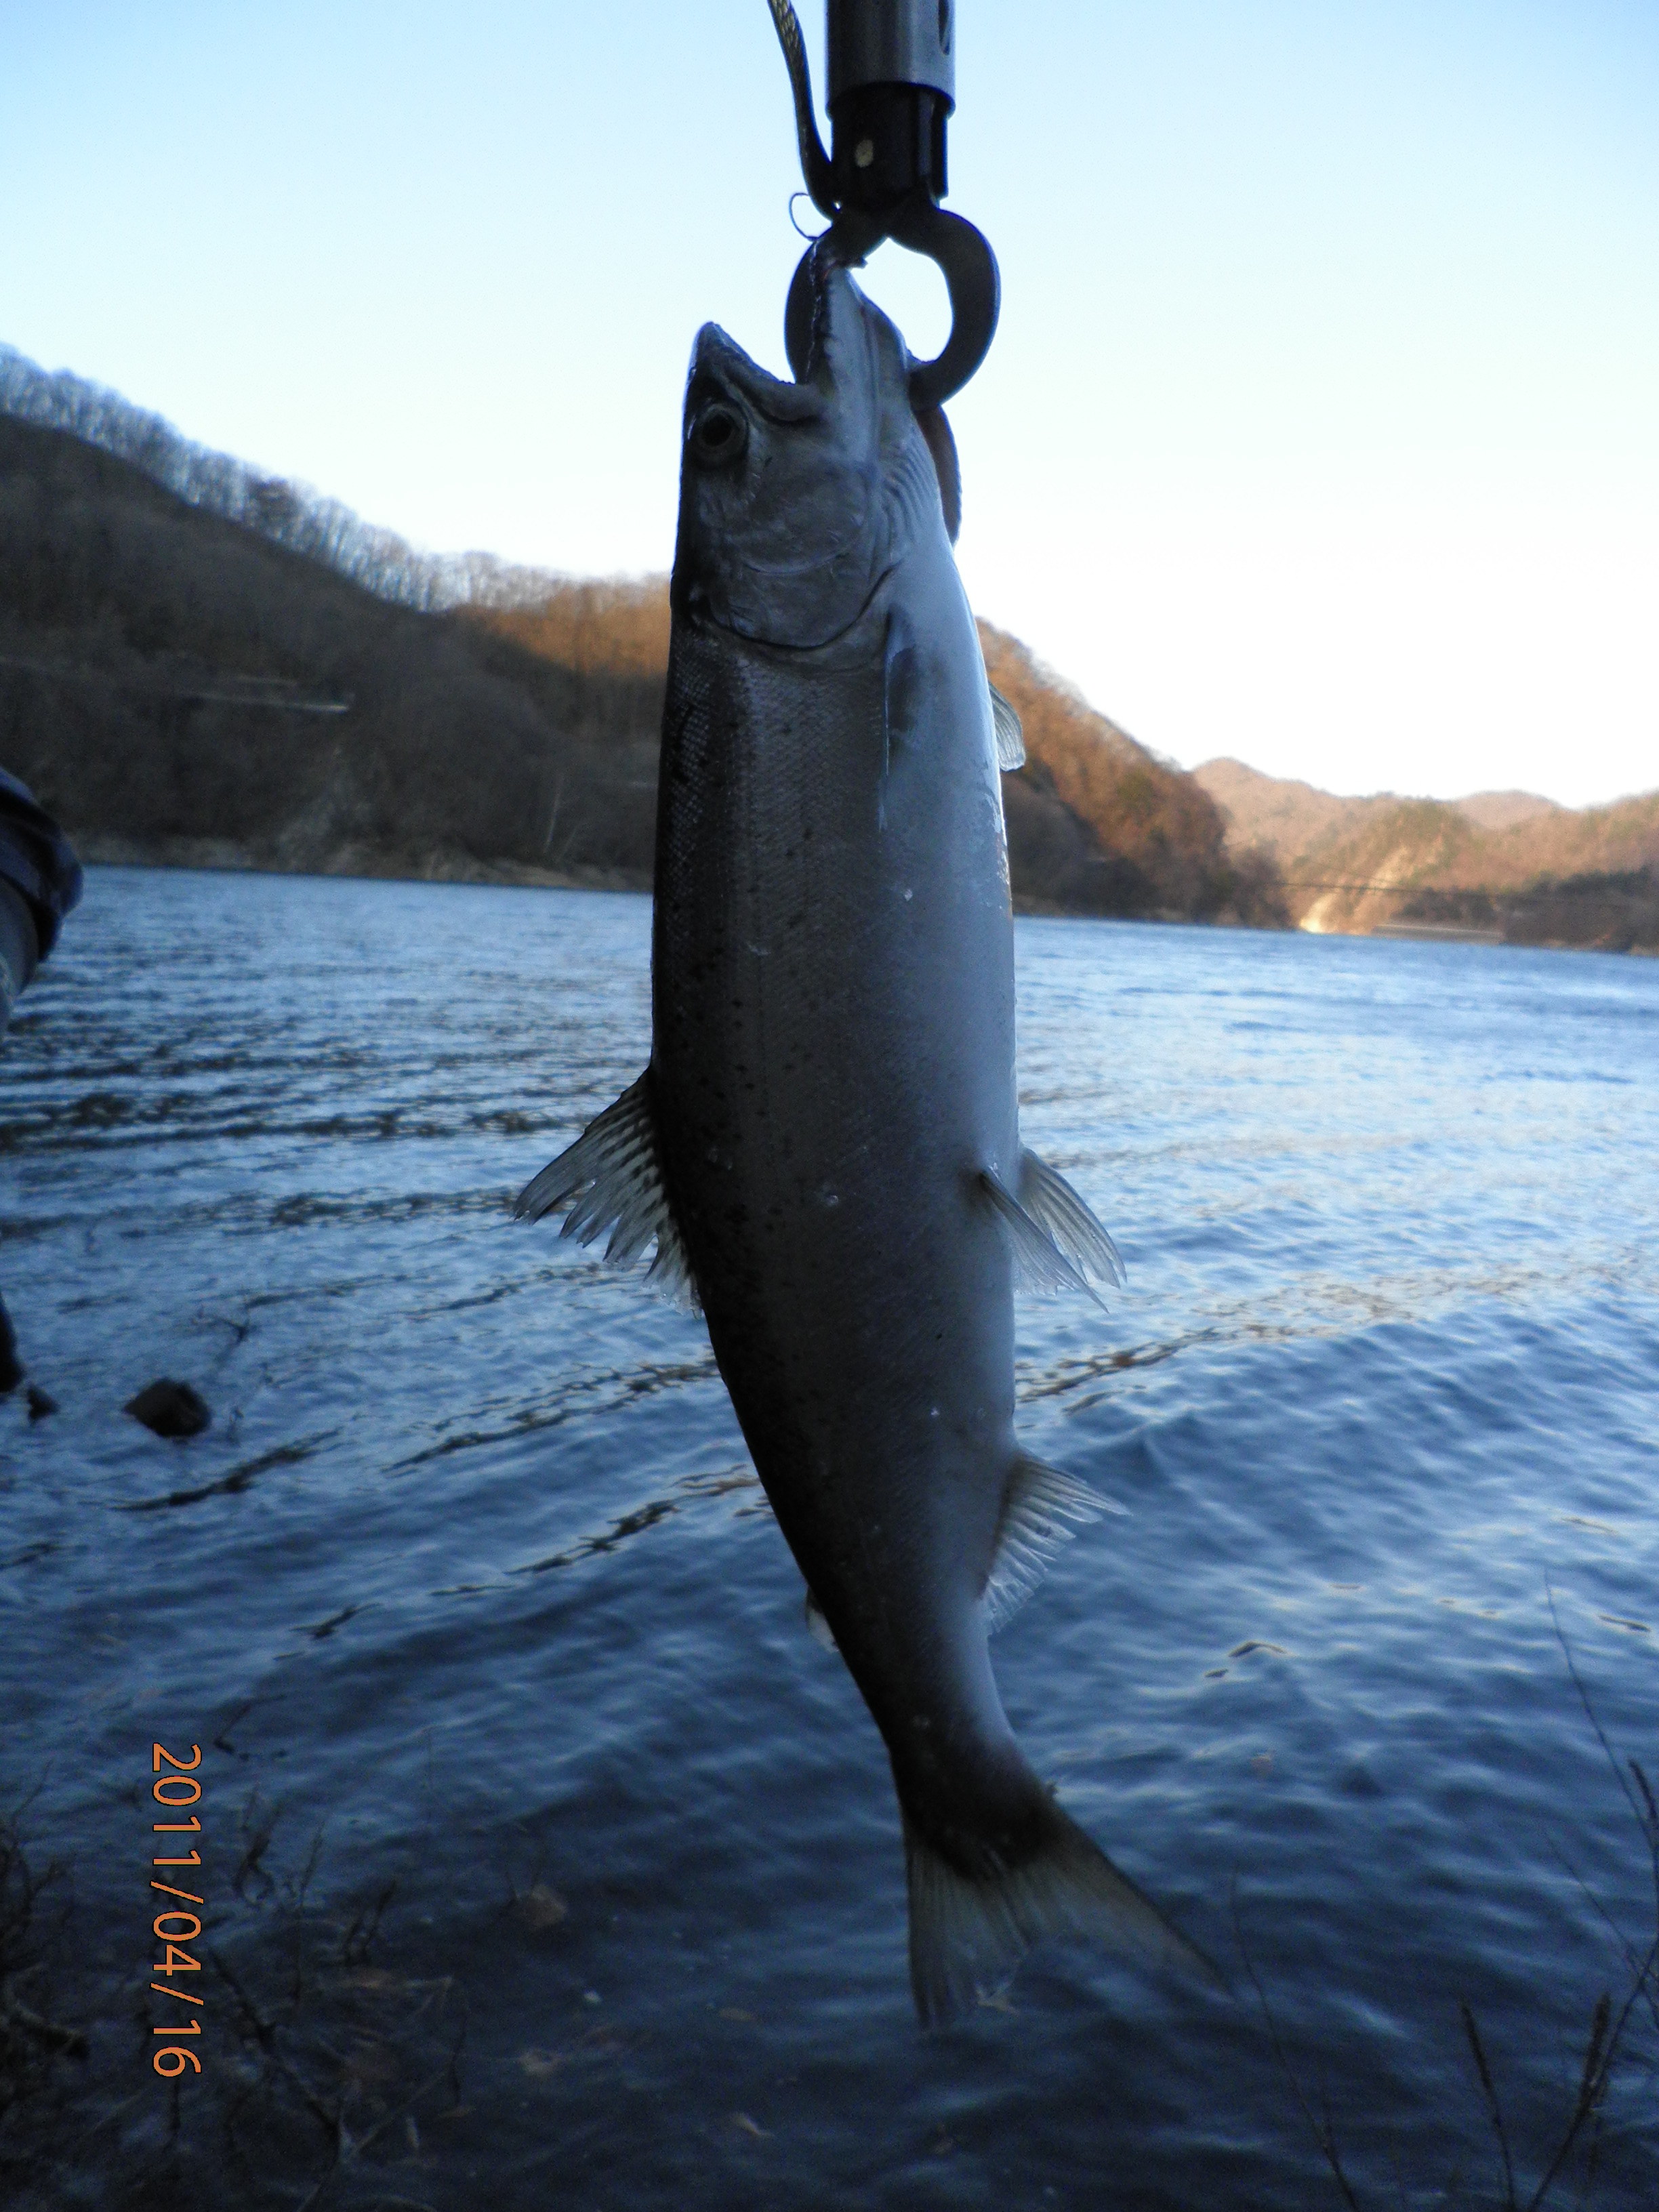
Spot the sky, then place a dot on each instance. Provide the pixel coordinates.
(1322, 429)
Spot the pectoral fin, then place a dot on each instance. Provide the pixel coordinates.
(613, 1173)
(942, 445)
(1057, 1209)
(1039, 1262)
(900, 693)
(1010, 739)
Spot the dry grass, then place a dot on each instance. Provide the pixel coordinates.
(324, 2062)
(32, 2042)
(1578, 2137)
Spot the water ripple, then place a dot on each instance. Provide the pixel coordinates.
(1380, 1396)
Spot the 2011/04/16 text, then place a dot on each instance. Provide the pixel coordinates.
(175, 1790)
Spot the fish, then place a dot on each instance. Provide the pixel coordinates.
(823, 1150)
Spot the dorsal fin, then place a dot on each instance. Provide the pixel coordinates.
(818, 1625)
(613, 1172)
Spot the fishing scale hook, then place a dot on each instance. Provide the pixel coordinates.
(892, 87)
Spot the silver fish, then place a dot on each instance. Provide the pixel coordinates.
(825, 1144)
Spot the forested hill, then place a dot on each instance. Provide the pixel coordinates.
(201, 664)
(177, 684)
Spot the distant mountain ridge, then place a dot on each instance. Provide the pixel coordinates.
(205, 666)
(1503, 864)
(1289, 818)
(1502, 809)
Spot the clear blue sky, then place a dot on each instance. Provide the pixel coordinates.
(1323, 425)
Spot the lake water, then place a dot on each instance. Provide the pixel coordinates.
(549, 1859)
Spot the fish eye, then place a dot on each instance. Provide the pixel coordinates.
(719, 435)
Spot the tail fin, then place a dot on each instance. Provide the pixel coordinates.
(968, 1936)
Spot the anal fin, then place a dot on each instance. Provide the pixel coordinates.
(613, 1174)
(1042, 1510)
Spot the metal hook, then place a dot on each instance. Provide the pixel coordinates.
(886, 180)
(810, 236)
(965, 261)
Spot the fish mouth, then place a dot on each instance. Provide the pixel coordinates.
(782, 524)
(718, 360)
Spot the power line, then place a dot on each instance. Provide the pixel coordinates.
(273, 691)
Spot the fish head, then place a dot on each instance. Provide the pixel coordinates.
(792, 504)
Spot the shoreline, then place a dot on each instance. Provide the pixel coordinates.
(226, 856)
